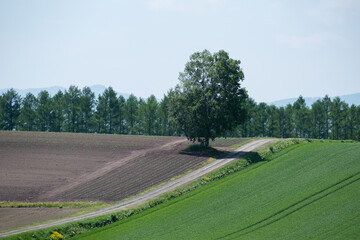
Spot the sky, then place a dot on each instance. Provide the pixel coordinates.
(286, 48)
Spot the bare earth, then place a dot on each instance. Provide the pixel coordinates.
(37, 166)
(17, 217)
(97, 178)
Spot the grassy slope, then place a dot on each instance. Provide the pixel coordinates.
(308, 191)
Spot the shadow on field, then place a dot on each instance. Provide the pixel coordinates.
(253, 157)
(198, 150)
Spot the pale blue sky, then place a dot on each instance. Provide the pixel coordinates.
(287, 48)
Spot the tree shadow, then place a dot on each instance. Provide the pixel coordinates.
(198, 150)
(253, 157)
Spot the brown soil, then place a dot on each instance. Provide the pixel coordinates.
(18, 217)
(32, 164)
(38, 166)
(136, 175)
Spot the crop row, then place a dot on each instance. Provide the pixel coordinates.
(117, 188)
(134, 177)
(129, 142)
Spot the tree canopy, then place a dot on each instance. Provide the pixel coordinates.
(209, 100)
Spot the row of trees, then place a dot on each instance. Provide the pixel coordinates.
(207, 103)
(326, 119)
(78, 110)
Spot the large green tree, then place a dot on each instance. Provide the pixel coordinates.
(209, 100)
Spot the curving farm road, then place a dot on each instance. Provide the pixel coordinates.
(168, 187)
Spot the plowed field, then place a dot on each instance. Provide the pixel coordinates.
(18, 217)
(64, 166)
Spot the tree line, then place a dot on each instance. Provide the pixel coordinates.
(78, 110)
(325, 119)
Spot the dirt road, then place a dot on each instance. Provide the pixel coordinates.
(168, 187)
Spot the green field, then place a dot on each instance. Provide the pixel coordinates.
(307, 191)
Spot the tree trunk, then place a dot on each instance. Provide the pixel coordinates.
(206, 142)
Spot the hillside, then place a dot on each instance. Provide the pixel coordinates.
(308, 191)
(38, 168)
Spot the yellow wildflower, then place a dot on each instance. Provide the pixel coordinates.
(56, 235)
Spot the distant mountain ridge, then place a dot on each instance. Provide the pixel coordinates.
(97, 89)
(349, 99)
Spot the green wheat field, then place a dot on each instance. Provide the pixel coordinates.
(307, 191)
